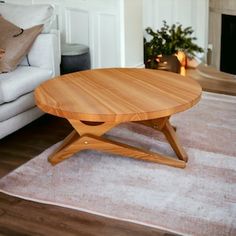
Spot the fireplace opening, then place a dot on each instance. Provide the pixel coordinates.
(228, 44)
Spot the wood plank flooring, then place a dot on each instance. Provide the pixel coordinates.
(20, 217)
(214, 81)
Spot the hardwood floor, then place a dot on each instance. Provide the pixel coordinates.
(20, 217)
(214, 81)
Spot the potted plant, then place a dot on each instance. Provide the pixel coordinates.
(161, 50)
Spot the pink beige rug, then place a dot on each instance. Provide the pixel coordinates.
(197, 200)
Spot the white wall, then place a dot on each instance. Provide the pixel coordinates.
(187, 12)
(133, 33)
(111, 28)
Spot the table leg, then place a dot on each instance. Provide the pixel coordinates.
(74, 143)
(87, 135)
(163, 125)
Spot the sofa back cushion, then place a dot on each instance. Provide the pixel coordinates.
(16, 43)
(27, 16)
(45, 53)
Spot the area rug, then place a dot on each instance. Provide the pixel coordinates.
(197, 200)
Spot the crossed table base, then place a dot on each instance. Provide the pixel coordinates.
(88, 135)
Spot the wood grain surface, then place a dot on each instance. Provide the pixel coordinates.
(117, 95)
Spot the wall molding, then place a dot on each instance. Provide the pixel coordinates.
(107, 53)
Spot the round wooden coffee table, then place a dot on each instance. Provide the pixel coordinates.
(94, 101)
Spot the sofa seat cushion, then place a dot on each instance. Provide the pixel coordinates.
(10, 109)
(21, 81)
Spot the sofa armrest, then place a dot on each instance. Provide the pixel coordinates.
(45, 53)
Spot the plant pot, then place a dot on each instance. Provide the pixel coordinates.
(169, 63)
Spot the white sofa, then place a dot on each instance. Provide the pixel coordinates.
(17, 105)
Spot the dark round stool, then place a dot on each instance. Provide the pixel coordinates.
(74, 57)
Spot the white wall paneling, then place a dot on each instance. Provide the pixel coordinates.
(107, 41)
(76, 26)
(81, 21)
(111, 28)
(133, 32)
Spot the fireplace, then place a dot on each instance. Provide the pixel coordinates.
(228, 44)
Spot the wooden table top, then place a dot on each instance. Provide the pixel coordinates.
(117, 95)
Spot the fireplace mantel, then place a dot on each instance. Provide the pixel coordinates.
(216, 9)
